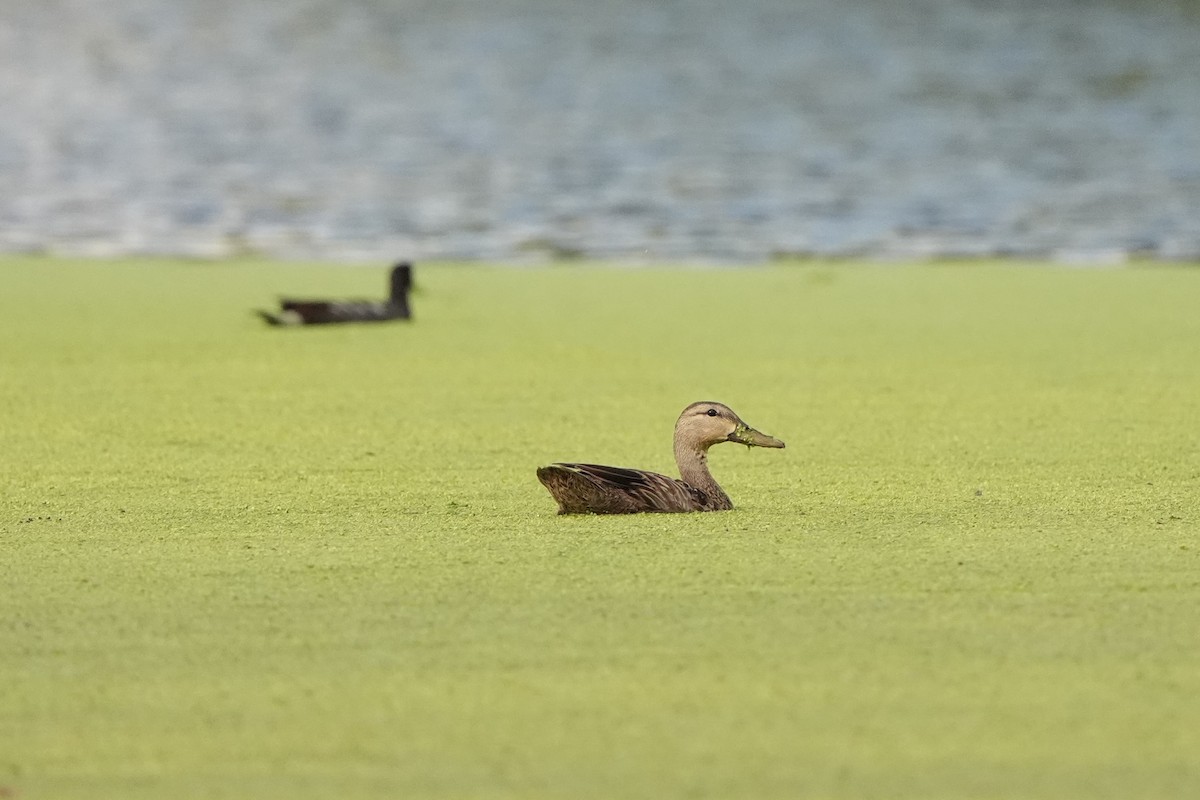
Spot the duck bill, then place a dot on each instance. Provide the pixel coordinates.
(746, 435)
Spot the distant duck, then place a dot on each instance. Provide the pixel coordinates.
(593, 489)
(324, 312)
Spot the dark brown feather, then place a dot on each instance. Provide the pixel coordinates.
(597, 489)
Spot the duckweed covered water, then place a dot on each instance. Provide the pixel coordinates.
(243, 561)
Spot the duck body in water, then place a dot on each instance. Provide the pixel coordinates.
(595, 489)
(325, 312)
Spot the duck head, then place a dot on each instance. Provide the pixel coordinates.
(400, 281)
(706, 423)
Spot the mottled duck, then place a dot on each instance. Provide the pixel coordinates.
(325, 312)
(593, 489)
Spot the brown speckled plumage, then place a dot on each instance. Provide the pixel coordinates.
(595, 489)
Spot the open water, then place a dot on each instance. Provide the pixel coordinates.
(629, 129)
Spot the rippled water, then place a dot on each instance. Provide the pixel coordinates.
(671, 129)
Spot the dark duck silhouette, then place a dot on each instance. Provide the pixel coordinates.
(593, 489)
(325, 312)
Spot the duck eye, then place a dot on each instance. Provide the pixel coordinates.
(712, 412)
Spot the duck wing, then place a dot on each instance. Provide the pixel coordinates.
(596, 489)
(322, 312)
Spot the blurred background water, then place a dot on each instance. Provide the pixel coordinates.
(672, 129)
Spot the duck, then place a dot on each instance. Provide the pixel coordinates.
(324, 312)
(595, 489)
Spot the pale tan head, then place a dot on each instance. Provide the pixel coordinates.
(703, 424)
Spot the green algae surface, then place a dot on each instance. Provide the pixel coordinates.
(250, 562)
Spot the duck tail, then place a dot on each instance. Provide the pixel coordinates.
(284, 318)
(574, 492)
